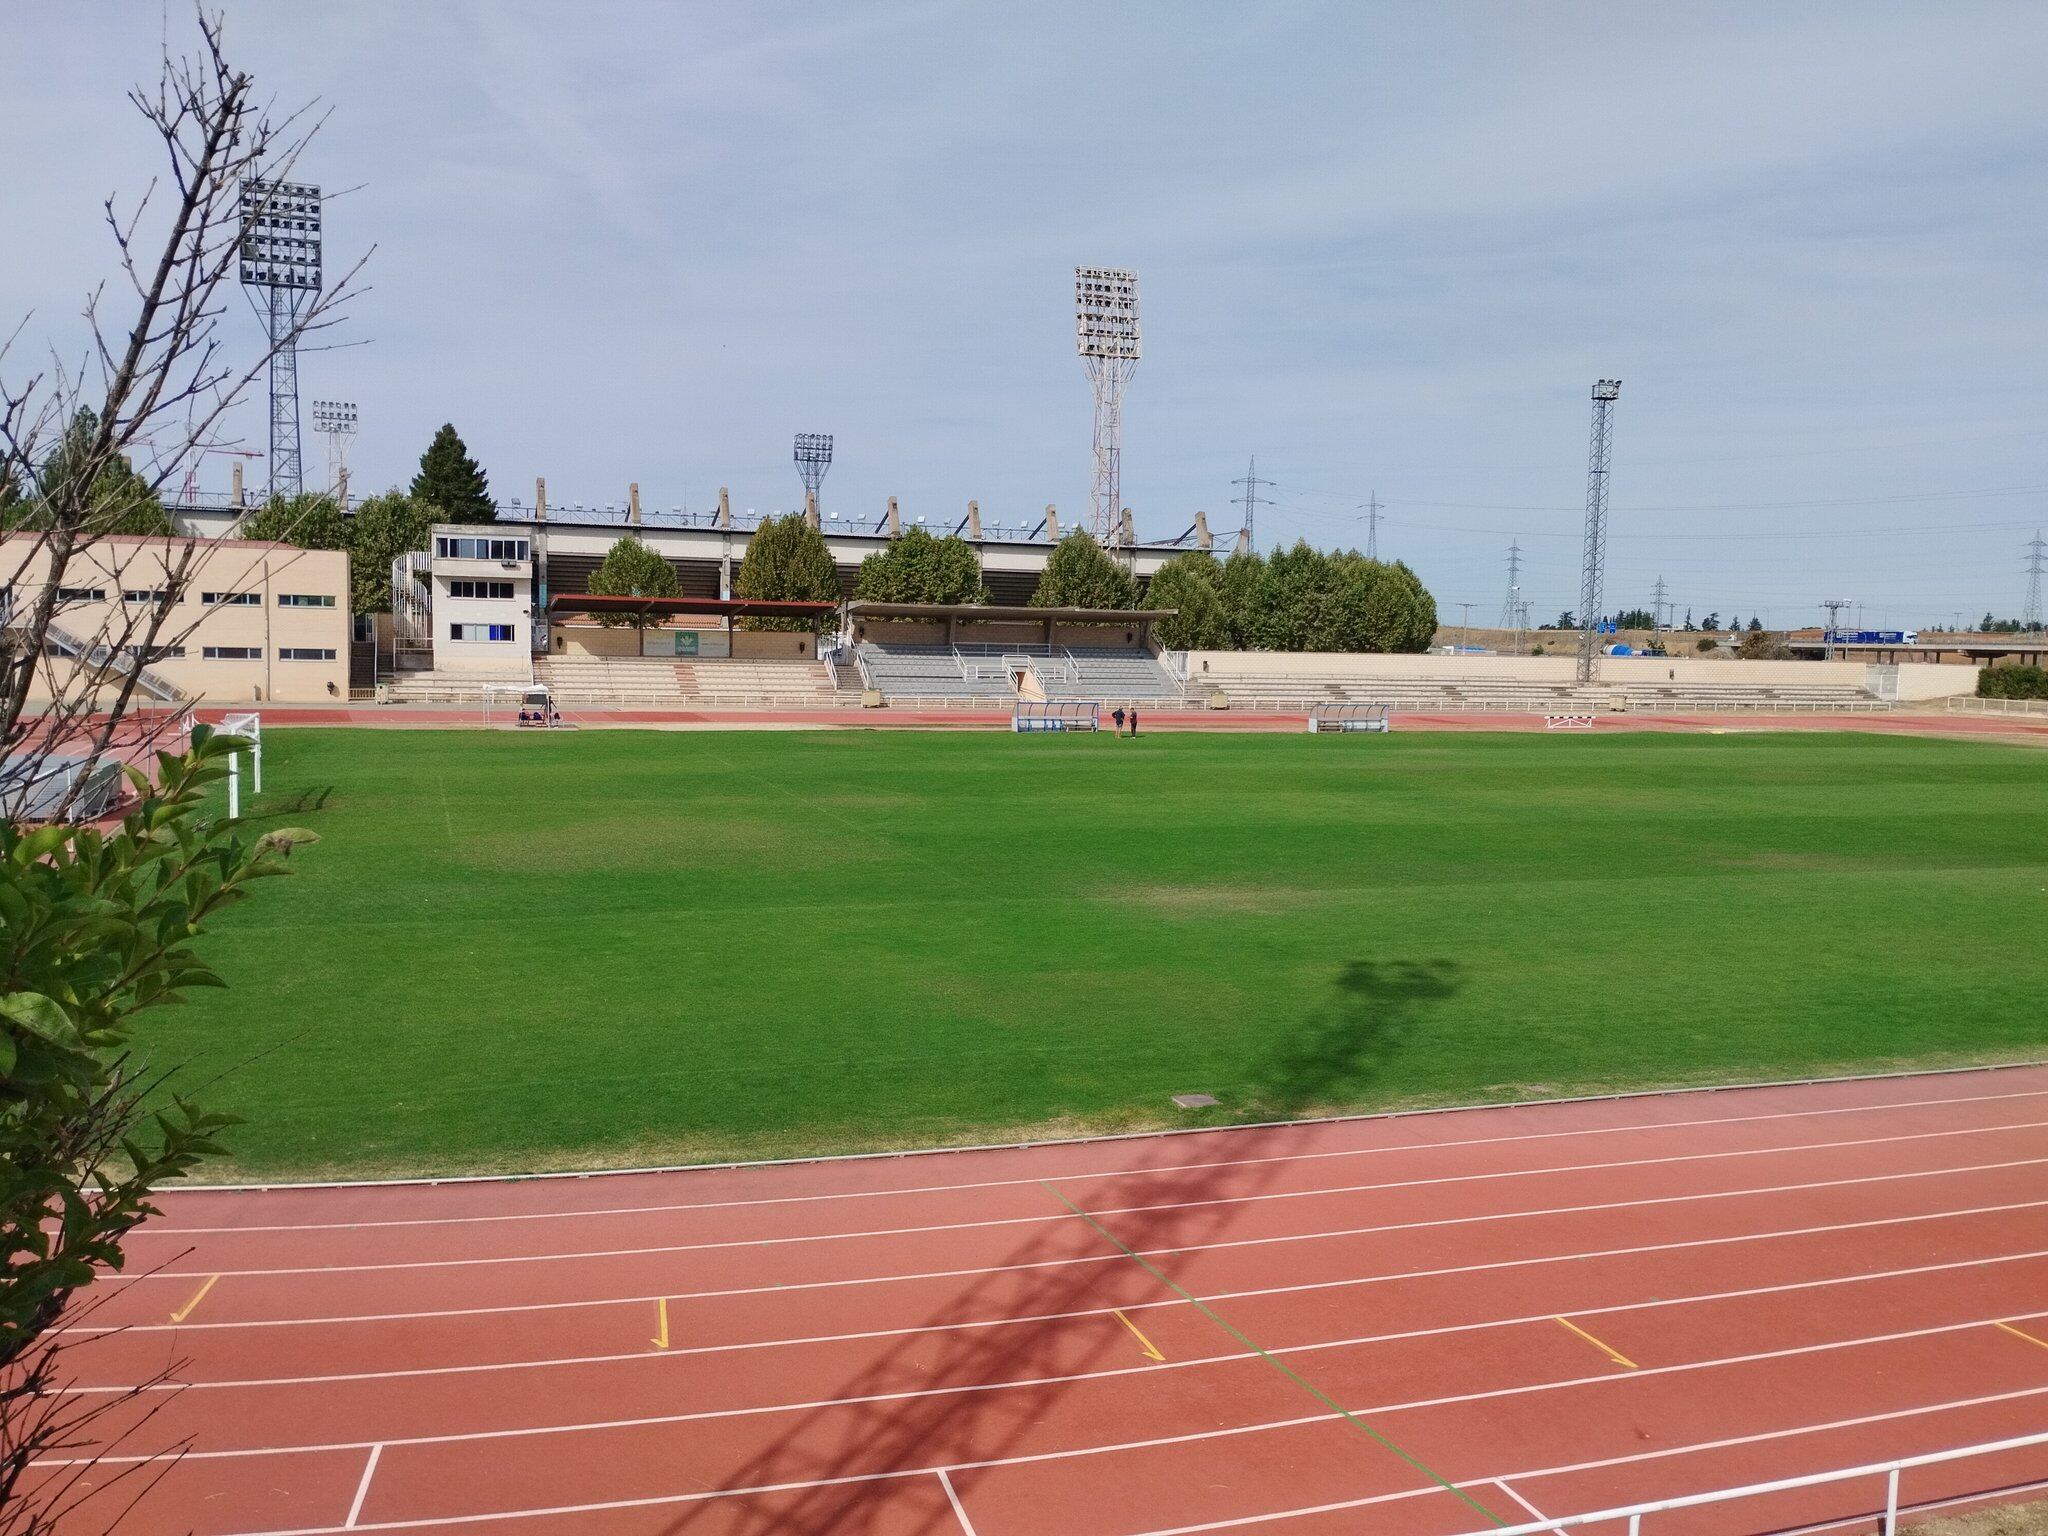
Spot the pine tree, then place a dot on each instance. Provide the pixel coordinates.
(450, 480)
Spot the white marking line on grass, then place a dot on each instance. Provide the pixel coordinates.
(1127, 1210)
(1974, 1263)
(664, 1420)
(949, 1274)
(355, 1509)
(953, 1498)
(157, 1229)
(664, 1500)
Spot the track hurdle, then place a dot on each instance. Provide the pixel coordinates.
(1569, 722)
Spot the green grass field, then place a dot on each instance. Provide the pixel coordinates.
(523, 951)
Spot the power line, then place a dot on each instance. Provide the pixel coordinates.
(1372, 527)
(1251, 501)
(2035, 548)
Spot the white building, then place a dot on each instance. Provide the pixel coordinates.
(481, 584)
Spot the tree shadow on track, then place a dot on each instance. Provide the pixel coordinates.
(866, 1462)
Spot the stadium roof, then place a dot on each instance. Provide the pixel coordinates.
(726, 607)
(996, 613)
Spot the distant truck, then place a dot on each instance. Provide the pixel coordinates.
(1874, 637)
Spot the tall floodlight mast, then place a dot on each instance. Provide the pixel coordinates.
(336, 421)
(1593, 577)
(813, 458)
(280, 257)
(1106, 335)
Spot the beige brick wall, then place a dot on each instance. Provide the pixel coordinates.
(267, 626)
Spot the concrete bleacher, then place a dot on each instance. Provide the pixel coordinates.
(659, 682)
(432, 687)
(1259, 687)
(986, 673)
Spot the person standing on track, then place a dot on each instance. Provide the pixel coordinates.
(1134, 720)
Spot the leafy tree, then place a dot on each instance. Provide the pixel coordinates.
(1188, 583)
(918, 568)
(1305, 601)
(1635, 618)
(631, 569)
(1079, 574)
(787, 560)
(1759, 645)
(381, 529)
(99, 930)
(1711, 622)
(1567, 620)
(2012, 682)
(122, 501)
(450, 480)
(311, 520)
(1234, 583)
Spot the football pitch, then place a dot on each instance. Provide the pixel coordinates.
(525, 951)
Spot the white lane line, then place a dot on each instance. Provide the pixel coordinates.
(949, 1274)
(655, 1501)
(355, 1510)
(953, 1498)
(1121, 1210)
(1509, 1489)
(1098, 1258)
(663, 1420)
(641, 1355)
(156, 1229)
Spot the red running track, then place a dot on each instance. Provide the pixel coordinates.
(1413, 1325)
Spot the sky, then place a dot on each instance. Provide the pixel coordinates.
(1386, 248)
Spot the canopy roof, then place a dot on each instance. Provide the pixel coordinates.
(593, 603)
(990, 613)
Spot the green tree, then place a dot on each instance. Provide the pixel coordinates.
(381, 529)
(1711, 621)
(787, 561)
(2013, 681)
(99, 930)
(1305, 601)
(1079, 574)
(1635, 618)
(1759, 645)
(918, 568)
(631, 569)
(450, 480)
(310, 520)
(1234, 583)
(1755, 623)
(122, 501)
(1188, 584)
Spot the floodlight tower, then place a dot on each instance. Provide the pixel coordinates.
(813, 458)
(281, 256)
(336, 421)
(1106, 335)
(1593, 577)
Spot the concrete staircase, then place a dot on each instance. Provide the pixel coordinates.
(629, 682)
(758, 684)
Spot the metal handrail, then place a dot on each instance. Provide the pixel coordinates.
(1889, 1470)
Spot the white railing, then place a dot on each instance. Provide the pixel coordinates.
(1967, 704)
(1888, 1470)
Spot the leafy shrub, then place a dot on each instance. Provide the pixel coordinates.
(2013, 682)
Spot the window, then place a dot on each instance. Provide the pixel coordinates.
(454, 547)
(232, 599)
(81, 594)
(305, 600)
(305, 653)
(157, 595)
(495, 589)
(148, 653)
(231, 652)
(479, 631)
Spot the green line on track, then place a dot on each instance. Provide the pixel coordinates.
(1279, 1365)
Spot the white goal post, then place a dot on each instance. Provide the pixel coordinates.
(248, 725)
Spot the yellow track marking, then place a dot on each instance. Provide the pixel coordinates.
(197, 1296)
(660, 1339)
(1145, 1344)
(2021, 1334)
(1606, 1349)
